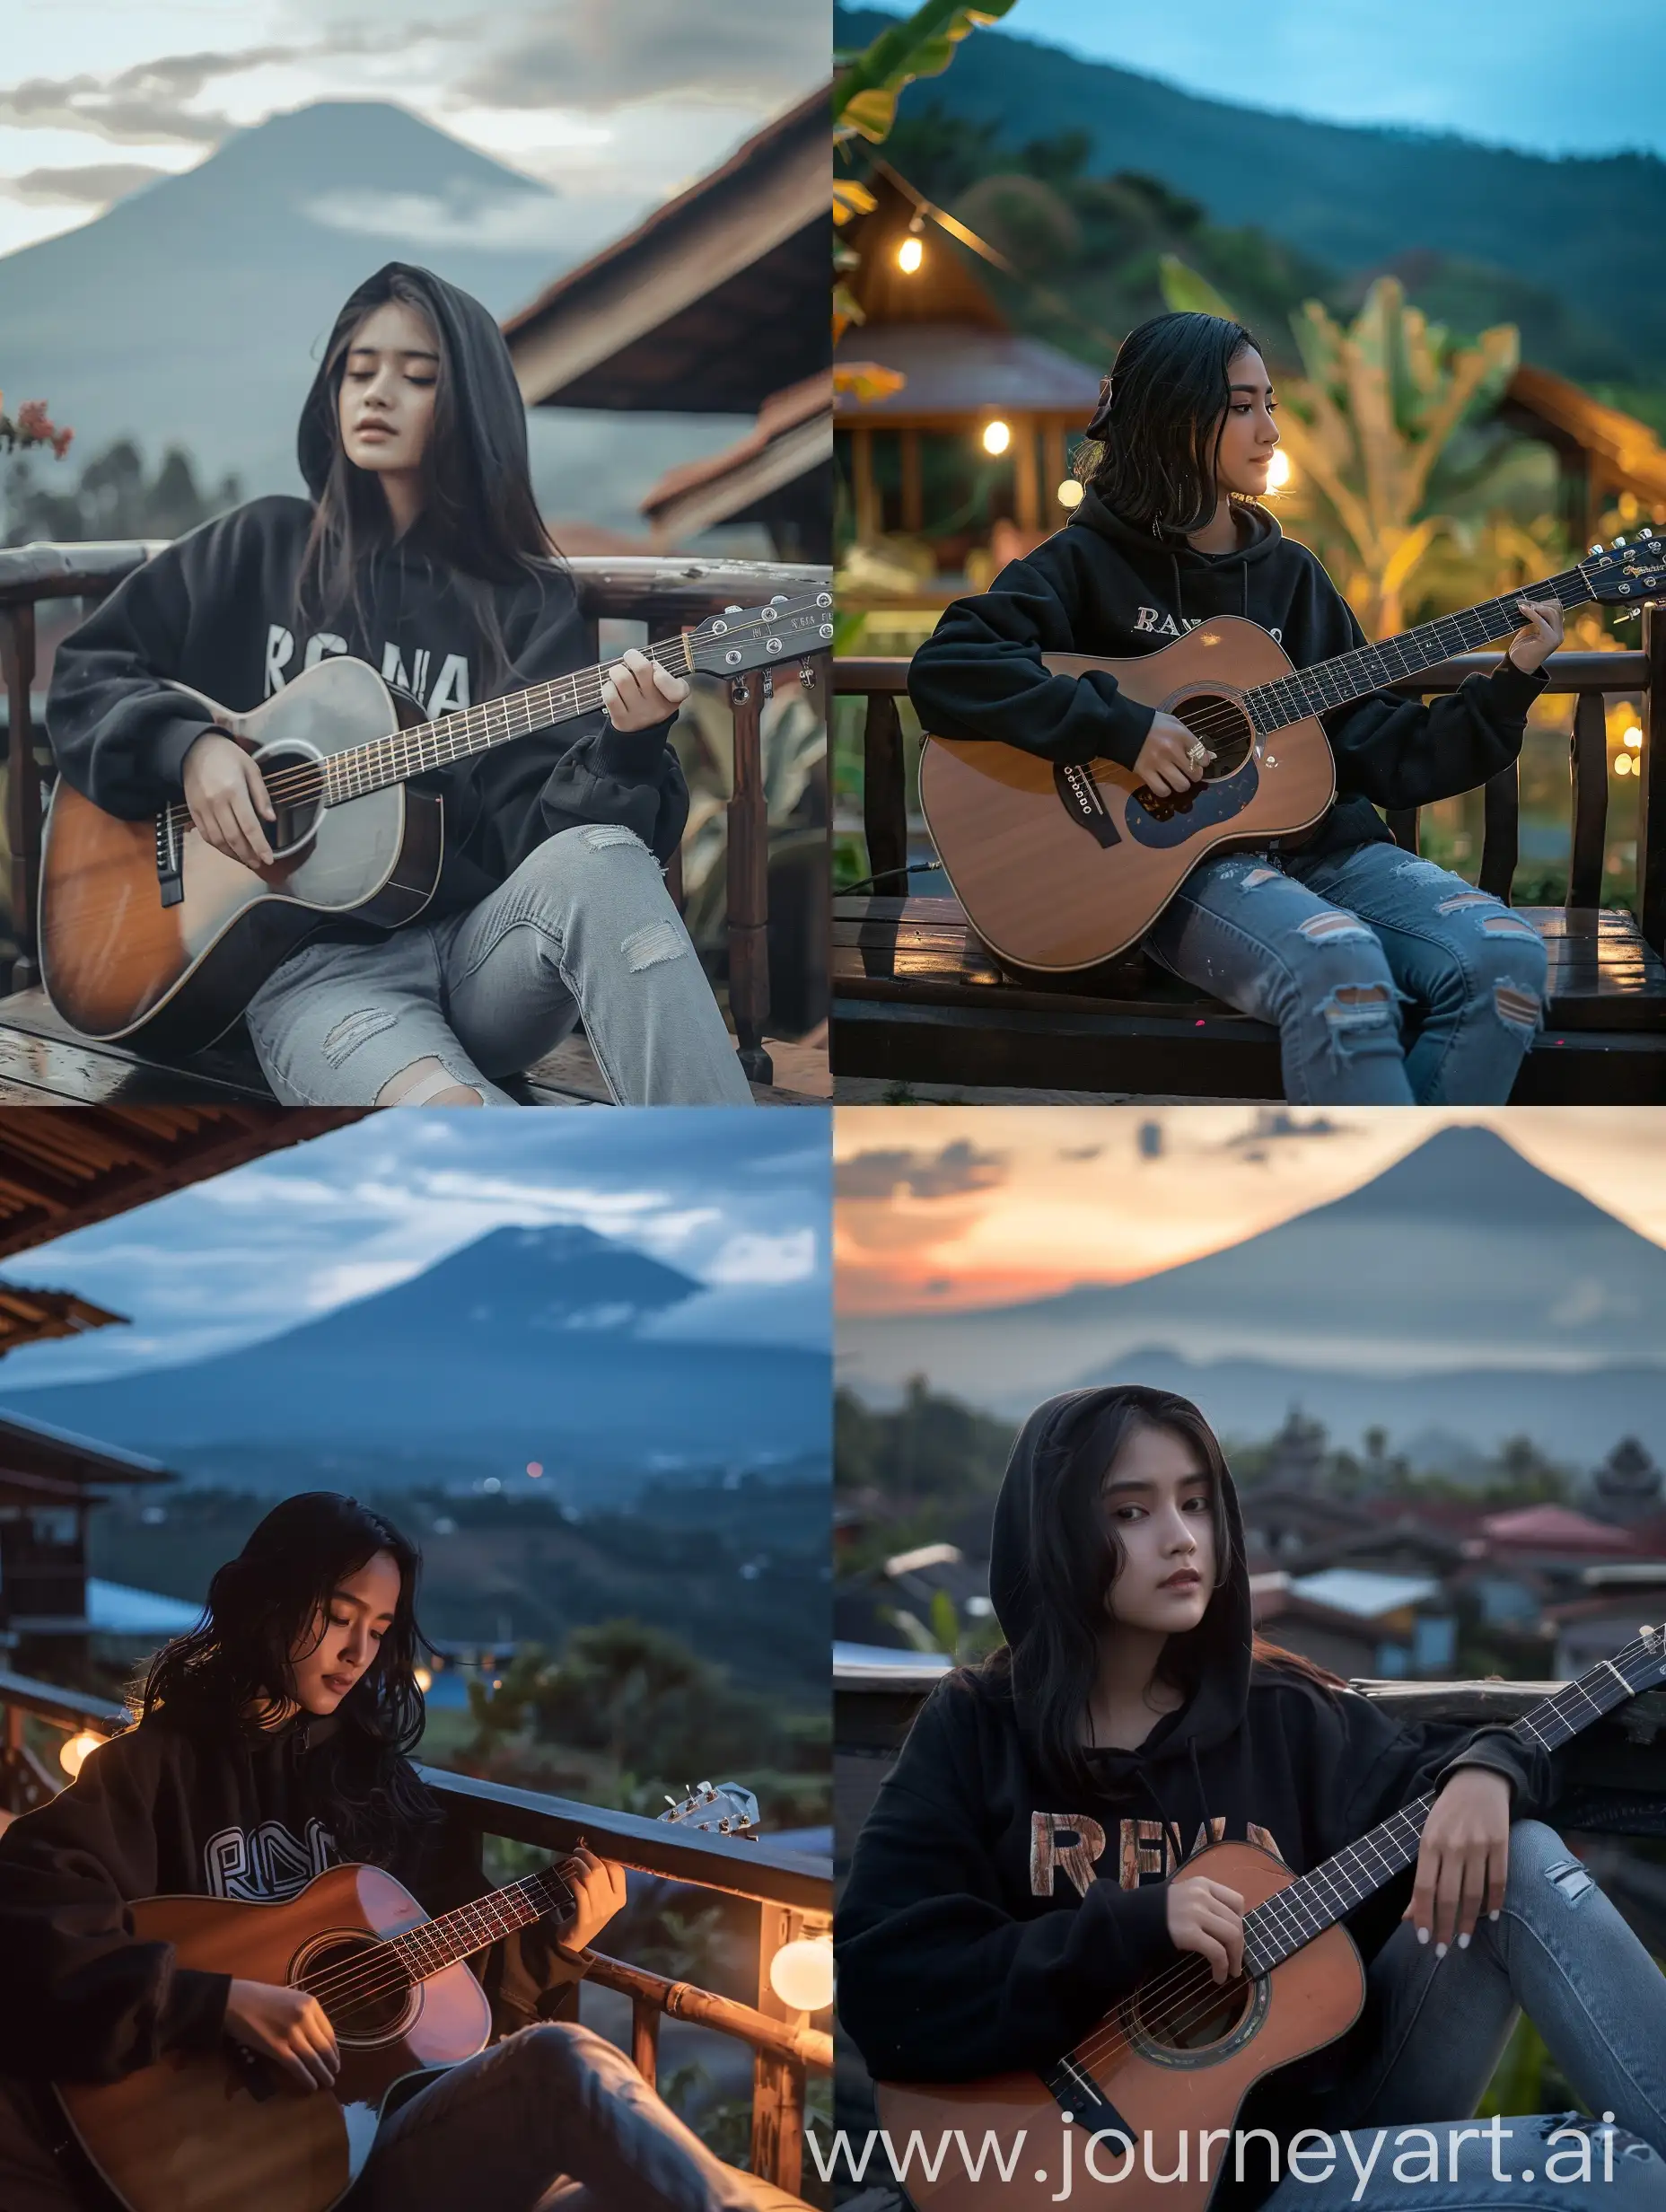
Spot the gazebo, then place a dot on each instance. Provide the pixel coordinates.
(971, 389)
(1603, 452)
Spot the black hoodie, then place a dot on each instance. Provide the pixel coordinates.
(1102, 586)
(157, 1811)
(217, 610)
(990, 1919)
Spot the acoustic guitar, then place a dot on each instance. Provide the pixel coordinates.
(220, 2131)
(1059, 869)
(148, 934)
(1140, 2094)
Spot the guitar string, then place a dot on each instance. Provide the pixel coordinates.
(308, 779)
(1281, 1911)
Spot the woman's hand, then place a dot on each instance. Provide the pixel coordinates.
(1172, 759)
(287, 2026)
(600, 1891)
(637, 692)
(1539, 637)
(1463, 1859)
(1207, 1918)
(227, 796)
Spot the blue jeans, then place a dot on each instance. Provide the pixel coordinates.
(1561, 1953)
(1392, 982)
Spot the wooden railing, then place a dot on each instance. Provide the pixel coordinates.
(1590, 679)
(665, 594)
(793, 1894)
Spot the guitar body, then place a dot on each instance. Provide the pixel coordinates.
(207, 2132)
(1057, 885)
(118, 964)
(1156, 2081)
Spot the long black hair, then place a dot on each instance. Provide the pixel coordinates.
(1152, 446)
(1068, 1557)
(480, 514)
(231, 1672)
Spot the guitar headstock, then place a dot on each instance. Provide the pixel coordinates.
(718, 1808)
(1627, 573)
(1654, 1643)
(745, 638)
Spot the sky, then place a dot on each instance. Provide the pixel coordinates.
(737, 1199)
(1519, 73)
(946, 1207)
(615, 103)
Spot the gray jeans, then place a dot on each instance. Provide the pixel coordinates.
(584, 928)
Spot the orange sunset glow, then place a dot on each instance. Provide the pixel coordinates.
(946, 1207)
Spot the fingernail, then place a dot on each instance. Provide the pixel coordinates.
(1463, 1943)
(1439, 1950)
(1423, 1935)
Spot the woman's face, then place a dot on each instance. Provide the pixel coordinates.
(1249, 432)
(1158, 1500)
(346, 1636)
(386, 403)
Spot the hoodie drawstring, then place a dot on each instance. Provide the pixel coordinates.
(1180, 596)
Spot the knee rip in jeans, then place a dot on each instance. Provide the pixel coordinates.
(1515, 1008)
(1332, 927)
(1570, 1879)
(647, 948)
(1419, 867)
(1506, 925)
(1359, 1007)
(1254, 877)
(601, 834)
(1467, 899)
(428, 1082)
(355, 1030)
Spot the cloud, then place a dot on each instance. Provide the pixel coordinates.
(1275, 1125)
(529, 221)
(759, 1258)
(959, 1168)
(609, 52)
(95, 184)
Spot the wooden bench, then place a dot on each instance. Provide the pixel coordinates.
(43, 1061)
(917, 998)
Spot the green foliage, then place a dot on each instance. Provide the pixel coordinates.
(866, 90)
(115, 497)
(931, 1446)
(945, 1629)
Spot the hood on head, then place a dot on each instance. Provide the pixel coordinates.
(490, 414)
(1224, 1637)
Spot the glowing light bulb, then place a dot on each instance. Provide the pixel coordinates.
(425, 1679)
(800, 1974)
(75, 1754)
(1069, 493)
(997, 436)
(1622, 764)
(1278, 470)
(1634, 738)
(910, 254)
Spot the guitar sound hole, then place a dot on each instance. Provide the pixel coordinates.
(1198, 2013)
(355, 1982)
(1223, 726)
(293, 780)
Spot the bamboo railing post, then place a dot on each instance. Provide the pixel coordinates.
(23, 787)
(777, 2083)
(645, 2039)
(748, 880)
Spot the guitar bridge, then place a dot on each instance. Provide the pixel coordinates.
(1085, 803)
(1081, 2100)
(170, 870)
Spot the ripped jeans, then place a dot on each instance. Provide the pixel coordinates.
(583, 927)
(1558, 1952)
(1392, 982)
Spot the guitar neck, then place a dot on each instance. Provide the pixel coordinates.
(1308, 692)
(1276, 1930)
(436, 1943)
(404, 753)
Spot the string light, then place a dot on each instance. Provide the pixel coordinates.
(75, 1754)
(1069, 493)
(997, 436)
(425, 1679)
(1278, 470)
(910, 254)
(800, 1974)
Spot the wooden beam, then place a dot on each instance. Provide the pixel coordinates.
(913, 493)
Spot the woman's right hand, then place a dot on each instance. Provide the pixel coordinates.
(227, 796)
(287, 2026)
(1207, 1918)
(1166, 762)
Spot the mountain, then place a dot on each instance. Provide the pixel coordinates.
(530, 1344)
(1460, 1257)
(196, 310)
(1592, 231)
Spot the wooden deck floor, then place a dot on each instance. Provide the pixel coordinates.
(44, 1062)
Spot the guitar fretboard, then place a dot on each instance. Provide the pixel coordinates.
(1275, 1931)
(474, 1926)
(1307, 691)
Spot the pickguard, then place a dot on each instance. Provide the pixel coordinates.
(1168, 822)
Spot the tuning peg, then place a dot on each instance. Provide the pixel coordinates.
(780, 600)
(1619, 541)
(736, 609)
(1646, 531)
(1595, 548)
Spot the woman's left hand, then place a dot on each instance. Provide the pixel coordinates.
(637, 692)
(597, 1886)
(1464, 1859)
(1539, 635)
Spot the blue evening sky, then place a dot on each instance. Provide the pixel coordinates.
(738, 1199)
(1531, 74)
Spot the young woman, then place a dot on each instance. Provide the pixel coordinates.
(420, 550)
(1391, 981)
(1012, 1880)
(273, 1742)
